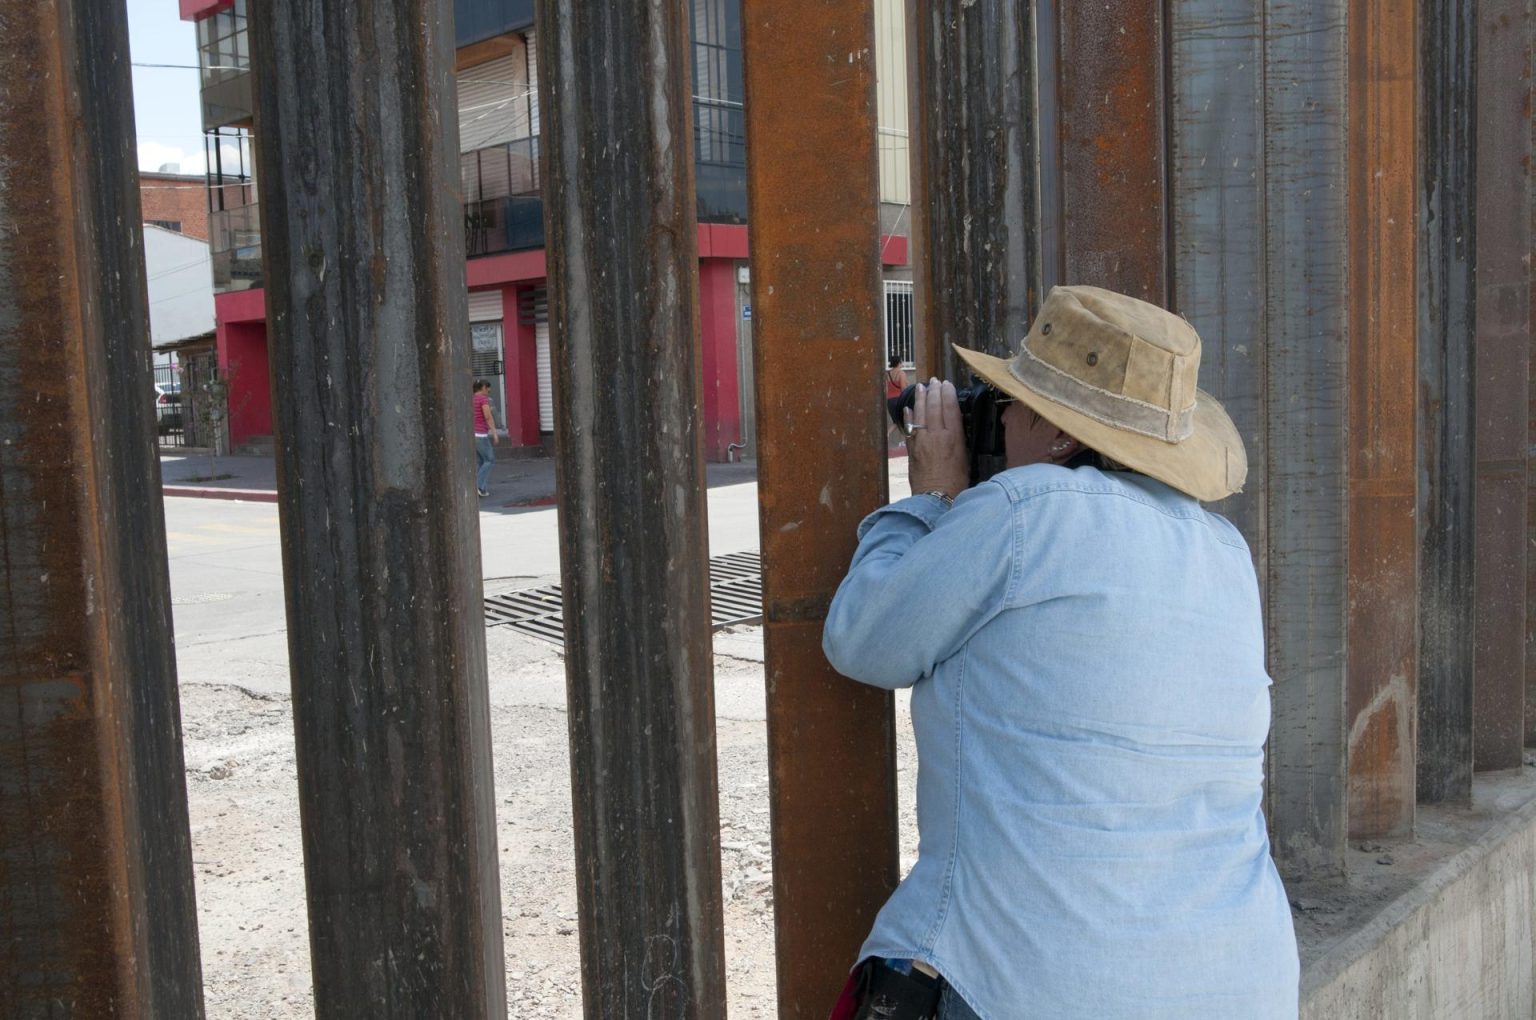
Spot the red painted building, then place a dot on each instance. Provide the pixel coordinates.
(498, 122)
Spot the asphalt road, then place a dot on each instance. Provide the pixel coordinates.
(227, 592)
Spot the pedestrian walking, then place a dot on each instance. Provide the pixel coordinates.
(1085, 650)
(485, 437)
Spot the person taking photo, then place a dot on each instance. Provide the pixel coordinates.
(1085, 650)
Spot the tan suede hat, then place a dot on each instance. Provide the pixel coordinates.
(1118, 374)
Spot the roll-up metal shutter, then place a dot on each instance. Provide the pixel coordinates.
(533, 83)
(495, 101)
(535, 311)
(485, 306)
(546, 378)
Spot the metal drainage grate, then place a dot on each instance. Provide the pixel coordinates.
(735, 596)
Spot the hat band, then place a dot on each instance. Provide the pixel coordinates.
(1113, 409)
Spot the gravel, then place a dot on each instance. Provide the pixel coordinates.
(247, 850)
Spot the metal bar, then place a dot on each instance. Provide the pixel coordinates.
(362, 235)
(1307, 367)
(1447, 236)
(926, 350)
(1502, 379)
(974, 165)
(1216, 170)
(1111, 112)
(1382, 662)
(813, 206)
(623, 272)
(96, 896)
(1050, 205)
(1530, 474)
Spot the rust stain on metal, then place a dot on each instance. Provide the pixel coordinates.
(620, 209)
(816, 284)
(97, 877)
(976, 236)
(1112, 147)
(381, 550)
(1382, 667)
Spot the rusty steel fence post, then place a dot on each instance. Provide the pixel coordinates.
(1216, 210)
(974, 72)
(623, 271)
(1306, 306)
(1382, 664)
(1447, 238)
(1111, 117)
(96, 900)
(363, 242)
(813, 206)
(1502, 318)
(1530, 470)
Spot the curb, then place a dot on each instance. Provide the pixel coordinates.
(204, 492)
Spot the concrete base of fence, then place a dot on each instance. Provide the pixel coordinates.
(1437, 927)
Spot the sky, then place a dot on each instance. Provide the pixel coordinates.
(165, 100)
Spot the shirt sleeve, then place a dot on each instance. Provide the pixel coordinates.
(923, 580)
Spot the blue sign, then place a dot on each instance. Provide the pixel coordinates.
(746, 311)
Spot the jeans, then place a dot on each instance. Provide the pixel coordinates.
(485, 456)
(952, 1007)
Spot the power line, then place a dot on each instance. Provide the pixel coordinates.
(192, 67)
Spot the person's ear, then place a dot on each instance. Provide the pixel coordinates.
(1064, 447)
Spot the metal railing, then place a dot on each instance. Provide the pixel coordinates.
(170, 426)
(509, 223)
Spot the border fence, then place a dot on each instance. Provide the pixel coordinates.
(1336, 193)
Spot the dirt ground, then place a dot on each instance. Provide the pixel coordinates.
(246, 842)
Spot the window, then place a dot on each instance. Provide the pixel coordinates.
(719, 118)
(166, 224)
(499, 151)
(223, 45)
(720, 131)
(224, 54)
(898, 321)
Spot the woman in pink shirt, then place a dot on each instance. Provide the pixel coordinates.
(485, 436)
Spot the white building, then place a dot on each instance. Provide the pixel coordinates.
(180, 277)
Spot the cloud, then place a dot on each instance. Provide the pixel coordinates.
(153, 155)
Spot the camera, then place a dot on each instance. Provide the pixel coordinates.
(981, 414)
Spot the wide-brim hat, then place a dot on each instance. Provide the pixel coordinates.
(1118, 374)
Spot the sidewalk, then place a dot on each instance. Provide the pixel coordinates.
(516, 484)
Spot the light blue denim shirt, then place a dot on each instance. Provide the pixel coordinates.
(1086, 657)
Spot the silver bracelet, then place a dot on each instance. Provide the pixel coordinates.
(944, 497)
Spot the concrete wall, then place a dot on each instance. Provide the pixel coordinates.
(1461, 943)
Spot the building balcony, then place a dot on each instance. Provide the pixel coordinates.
(234, 245)
(228, 99)
(503, 207)
(507, 223)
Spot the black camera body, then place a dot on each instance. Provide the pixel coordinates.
(981, 414)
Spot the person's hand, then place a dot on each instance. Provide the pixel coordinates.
(937, 457)
(493, 437)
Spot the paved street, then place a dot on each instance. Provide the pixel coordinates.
(226, 581)
(227, 587)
